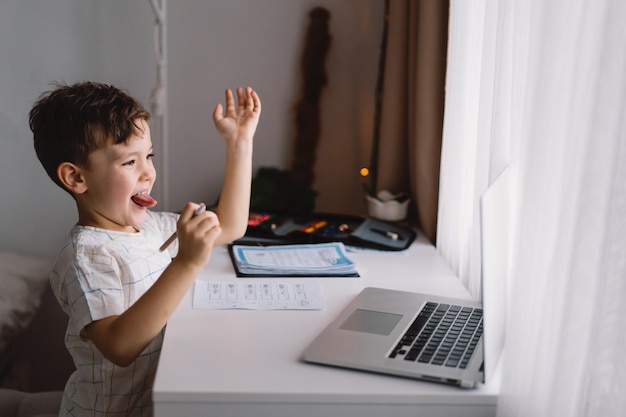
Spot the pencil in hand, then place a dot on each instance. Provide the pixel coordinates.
(172, 238)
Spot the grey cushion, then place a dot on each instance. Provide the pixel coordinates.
(26, 404)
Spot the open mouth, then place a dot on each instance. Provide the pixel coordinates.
(144, 199)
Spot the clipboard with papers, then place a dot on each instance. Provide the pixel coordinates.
(299, 260)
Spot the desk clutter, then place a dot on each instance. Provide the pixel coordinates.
(266, 227)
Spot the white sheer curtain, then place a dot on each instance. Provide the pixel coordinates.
(540, 86)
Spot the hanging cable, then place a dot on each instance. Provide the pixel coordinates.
(158, 98)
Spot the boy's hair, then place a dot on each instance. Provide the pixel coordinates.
(72, 121)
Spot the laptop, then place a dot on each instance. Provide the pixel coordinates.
(424, 336)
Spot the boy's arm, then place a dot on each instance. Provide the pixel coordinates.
(237, 126)
(122, 338)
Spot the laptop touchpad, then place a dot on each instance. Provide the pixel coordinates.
(367, 321)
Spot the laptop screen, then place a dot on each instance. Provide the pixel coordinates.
(495, 246)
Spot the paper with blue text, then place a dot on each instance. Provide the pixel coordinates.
(321, 259)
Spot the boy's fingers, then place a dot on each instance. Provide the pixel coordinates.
(256, 100)
(241, 98)
(249, 99)
(189, 211)
(230, 101)
(209, 222)
(218, 113)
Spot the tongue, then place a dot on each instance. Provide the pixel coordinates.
(144, 200)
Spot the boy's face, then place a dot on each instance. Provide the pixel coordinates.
(118, 184)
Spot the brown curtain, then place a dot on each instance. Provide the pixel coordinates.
(412, 106)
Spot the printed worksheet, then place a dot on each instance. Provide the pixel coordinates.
(257, 295)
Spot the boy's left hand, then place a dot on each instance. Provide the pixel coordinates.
(240, 122)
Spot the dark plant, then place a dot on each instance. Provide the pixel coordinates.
(274, 189)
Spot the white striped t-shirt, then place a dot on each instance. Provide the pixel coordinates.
(101, 273)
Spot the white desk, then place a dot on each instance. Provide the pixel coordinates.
(247, 363)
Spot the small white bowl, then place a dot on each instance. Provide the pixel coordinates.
(391, 210)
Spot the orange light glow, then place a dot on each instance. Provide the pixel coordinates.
(364, 172)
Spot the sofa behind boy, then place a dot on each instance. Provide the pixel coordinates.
(34, 363)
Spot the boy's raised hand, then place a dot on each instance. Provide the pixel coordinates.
(238, 122)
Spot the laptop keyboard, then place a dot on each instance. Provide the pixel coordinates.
(441, 334)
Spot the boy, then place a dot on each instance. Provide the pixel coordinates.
(112, 280)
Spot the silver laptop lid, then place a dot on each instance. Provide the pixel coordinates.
(495, 248)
